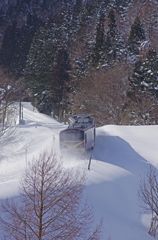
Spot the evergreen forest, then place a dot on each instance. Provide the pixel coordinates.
(96, 57)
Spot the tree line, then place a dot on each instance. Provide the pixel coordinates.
(58, 47)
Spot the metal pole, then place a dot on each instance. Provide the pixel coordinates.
(26, 156)
(20, 112)
(89, 164)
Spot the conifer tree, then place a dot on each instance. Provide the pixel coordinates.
(77, 15)
(39, 66)
(16, 43)
(151, 70)
(9, 46)
(145, 75)
(93, 7)
(137, 76)
(111, 38)
(137, 35)
(98, 51)
(61, 84)
(77, 7)
(47, 67)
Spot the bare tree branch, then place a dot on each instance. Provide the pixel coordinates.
(148, 196)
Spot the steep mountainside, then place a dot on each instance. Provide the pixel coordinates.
(64, 48)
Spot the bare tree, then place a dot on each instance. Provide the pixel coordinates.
(102, 94)
(148, 196)
(51, 205)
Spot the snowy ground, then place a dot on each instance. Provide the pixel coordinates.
(121, 156)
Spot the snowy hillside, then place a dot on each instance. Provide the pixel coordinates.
(120, 157)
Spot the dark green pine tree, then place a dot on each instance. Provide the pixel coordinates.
(9, 46)
(77, 15)
(93, 7)
(98, 52)
(61, 83)
(145, 75)
(111, 38)
(138, 76)
(25, 39)
(47, 66)
(77, 7)
(39, 66)
(151, 72)
(66, 25)
(136, 37)
(16, 44)
(122, 3)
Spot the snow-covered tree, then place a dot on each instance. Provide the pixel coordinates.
(137, 35)
(107, 47)
(61, 84)
(112, 37)
(145, 74)
(98, 51)
(47, 68)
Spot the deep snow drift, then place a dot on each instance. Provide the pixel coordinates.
(121, 156)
